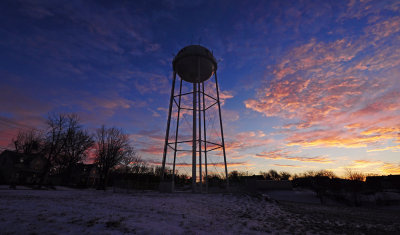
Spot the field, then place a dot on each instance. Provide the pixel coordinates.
(70, 211)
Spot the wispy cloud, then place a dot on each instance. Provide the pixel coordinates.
(390, 168)
(339, 93)
(237, 144)
(216, 164)
(283, 165)
(287, 155)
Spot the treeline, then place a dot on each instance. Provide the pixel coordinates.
(66, 144)
(283, 175)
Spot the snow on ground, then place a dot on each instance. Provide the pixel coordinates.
(68, 211)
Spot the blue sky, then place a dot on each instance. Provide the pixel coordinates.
(307, 85)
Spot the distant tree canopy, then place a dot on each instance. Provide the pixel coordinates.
(354, 175)
(112, 147)
(76, 142)
(28, 142)
(274, 175)
(64, 143)
(324, 173)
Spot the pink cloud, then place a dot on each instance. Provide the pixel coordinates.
(242, 141)
(335, 93)
(287, 155)
(283, 165)
(216, 164)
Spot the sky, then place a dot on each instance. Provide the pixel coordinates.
(305, 85)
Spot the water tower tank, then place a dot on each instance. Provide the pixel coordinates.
(194, 64)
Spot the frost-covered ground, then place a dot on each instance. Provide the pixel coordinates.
(67, 211)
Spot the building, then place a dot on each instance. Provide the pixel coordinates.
(18, 168)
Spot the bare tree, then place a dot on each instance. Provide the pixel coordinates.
(326, 173)
(126, 163)
(354, 175)
(28, 142)
(76, 142)
(139, 166)
(112, 145)
(284, 175)
(272, 175)
(55, 135)
(133, 163)
(65, 142)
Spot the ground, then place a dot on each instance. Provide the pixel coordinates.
(68, 211)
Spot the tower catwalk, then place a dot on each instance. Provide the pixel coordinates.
(194, 65)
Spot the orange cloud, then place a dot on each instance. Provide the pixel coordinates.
(280, 154)
(338, 94)
(242, 141)
(376, 166)
(389, 148)
(217, 164)
(364, 163)
(390, 168)
(282, 165)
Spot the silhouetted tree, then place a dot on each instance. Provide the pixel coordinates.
(284, 175)
(28, 142)
(326, 173)
(354, 175)
(272, 175)
(54, 141)
(112, 145)
(133, 163)
(138, 165)
(234, 176)
(55, 135)
(356, 183)
(76, 142)
(65, 142)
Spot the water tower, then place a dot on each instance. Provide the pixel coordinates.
(195, 65)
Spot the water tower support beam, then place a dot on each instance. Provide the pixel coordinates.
(168, 126)
(205, 137)
(200, 170)
(176, 134)
(222, 129)
(194, 139)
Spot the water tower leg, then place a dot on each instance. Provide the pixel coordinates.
(200, 170)
(176, 135)
(194, 140)
(222, 130)
(205, 137)
(168, 126)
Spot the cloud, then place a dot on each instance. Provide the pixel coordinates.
(395, 148)
(390, 168)
(216, 164)
(333, 138)
(290, 166)
(20, 110)
(146, 82)
(149, 141)
(342, 93)
(237, 144)
(286, 155)
(373, 9)
(364, 163)
(377, 166)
